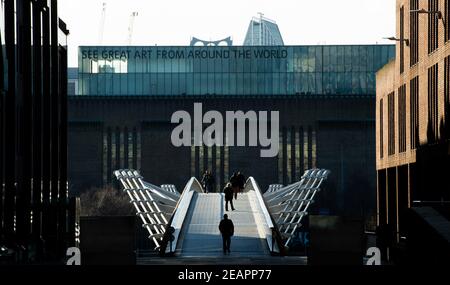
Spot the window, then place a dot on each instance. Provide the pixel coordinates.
(402, 119)
(447, 95)
(391, 124)
(402, 36)
(433, 120)
(447, 20)
(298, 154)
(414, 33)
(433, 28)
(121, 149)
(313, 149)
(305, 149)
(109, 66)
(381, 129)
(213, 158)
(414, 112)
(282, 156)
(288, 160)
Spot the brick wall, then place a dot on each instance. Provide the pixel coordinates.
(389, 80)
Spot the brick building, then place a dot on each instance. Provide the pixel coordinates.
(412, 114)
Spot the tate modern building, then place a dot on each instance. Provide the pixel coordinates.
(123, 99)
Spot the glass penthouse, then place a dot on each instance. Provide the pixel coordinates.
(231, 70)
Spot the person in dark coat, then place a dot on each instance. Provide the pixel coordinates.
(226, 228)
(208, 181)
(241, 181)
(228, 196)
(234, 180)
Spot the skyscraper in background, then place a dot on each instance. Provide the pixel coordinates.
(263, 32)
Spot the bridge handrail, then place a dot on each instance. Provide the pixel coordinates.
(179, 215)
(274, 238)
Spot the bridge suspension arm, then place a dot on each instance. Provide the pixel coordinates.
(146, 203)
(290, 204)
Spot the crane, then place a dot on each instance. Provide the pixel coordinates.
(130, 26)
(102, 24)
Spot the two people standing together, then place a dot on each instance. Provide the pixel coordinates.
(208, 181)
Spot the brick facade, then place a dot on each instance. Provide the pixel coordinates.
(404, 177)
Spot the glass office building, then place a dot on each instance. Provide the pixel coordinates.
(346, 70)
(263, 32)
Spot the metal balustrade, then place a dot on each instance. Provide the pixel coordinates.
(181, 211)
(270, 230)
(288, 205)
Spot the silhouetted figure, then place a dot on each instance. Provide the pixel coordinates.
(208, 181)
(226, 228)
(241, 181)
(234, 180)
(228, 196)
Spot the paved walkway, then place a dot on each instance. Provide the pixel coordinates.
(200, 236)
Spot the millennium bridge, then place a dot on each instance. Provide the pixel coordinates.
(186, 224)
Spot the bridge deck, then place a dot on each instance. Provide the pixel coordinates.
(200, 234)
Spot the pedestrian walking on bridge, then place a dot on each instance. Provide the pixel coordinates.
(228, 190)
(226, 228)
(234, 180)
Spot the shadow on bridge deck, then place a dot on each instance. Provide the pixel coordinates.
(200, 236)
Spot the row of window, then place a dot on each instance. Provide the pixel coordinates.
(362, 58)
(213, 158)
(297, 153)
(435, 18)
(227, 83)
(434, 121)
(121, 149)
(414, 119)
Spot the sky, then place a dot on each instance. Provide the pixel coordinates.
(174, 22)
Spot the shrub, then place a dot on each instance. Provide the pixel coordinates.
(105, 202)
